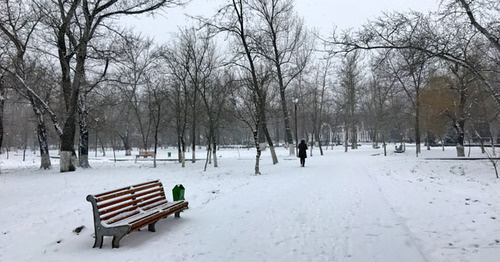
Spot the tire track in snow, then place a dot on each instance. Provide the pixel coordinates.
(378, 233)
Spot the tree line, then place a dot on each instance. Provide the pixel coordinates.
(251, 74)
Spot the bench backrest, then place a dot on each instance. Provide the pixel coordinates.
(116, 205)
(146, 153)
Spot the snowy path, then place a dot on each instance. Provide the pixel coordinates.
(312, 216)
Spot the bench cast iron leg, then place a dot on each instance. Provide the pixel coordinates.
(98, 241)
(151, 227)
(118, 233)
(116, 241)
(178, 214)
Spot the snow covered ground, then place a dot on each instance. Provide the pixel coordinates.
(355, 206)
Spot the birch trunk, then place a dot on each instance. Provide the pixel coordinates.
(214, 149)
(83, 147)
(257, 156)
(44, 147)
(2, 104)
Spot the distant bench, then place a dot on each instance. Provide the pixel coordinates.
(125, 210)
(145, 154)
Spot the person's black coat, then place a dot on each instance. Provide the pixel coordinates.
(303, 150)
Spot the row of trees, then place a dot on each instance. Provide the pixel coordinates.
(236, 76)
(447, 62)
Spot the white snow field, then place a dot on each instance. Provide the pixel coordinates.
(355, 206)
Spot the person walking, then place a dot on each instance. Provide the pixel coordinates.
(302, 152)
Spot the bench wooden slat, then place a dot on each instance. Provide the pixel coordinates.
(143, 205)
(134, 202)
(125, 188)
(130, 190)
(123, 199)
(118, 217)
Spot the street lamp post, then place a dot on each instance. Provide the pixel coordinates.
(295, 102)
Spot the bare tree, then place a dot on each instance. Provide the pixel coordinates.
(178, 59)
(381, 88)
(92, 80)
(411, 70)
(282, 37)
(482, 20)
(232, 18)
(18, 21)
(319, 91)
(120, 116)
(75, 24)
(442, 36)
(350, 81)
(198, 62)
(134, 63)
(156, 91)
(214, 94)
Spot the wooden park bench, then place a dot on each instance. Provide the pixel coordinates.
(399, 149)
(145, 154)
(125, 210)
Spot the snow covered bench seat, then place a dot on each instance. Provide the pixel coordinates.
(125, 210)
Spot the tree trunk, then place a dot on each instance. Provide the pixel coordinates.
(493, 146)
(83, 147)
(43, 142)
(428, 141)
(68, 155)
(96, 137)
(183, 151)
(126, 144)
(67, 161)
(312, 145)
(157, 127)
(374, 135)
(346, 138)
(288, 130)
(214, 149)
(257, 156)
(319, 143)
(481, 142)
(354, 137)
(208, 151)
(193, 134)
(384, 144)
(113, 148)
(155, 146)
(417, 127)
(41, 132)
(2, 104)
(271, 145)
(179, 150)
(459, 127)
(103, 148)
(71, 92)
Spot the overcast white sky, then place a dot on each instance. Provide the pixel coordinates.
(319, 14)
